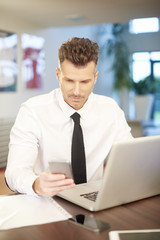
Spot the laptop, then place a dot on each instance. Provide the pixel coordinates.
(132, 173)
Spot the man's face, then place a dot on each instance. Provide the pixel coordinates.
(76, 83)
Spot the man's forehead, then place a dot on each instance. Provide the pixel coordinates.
(66, 63)
(77, 77)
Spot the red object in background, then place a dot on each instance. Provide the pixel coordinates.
(30, 59)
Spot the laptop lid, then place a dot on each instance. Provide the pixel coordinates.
(132, 173)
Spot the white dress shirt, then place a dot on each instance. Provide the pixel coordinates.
(43, 132)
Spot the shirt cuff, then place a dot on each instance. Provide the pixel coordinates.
(29, 190)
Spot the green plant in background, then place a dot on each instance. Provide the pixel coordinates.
(121, 64)
(146, 86)
(157, 84)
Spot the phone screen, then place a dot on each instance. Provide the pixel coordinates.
(89, 222)
(140, 236)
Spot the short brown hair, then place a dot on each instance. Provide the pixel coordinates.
(79, 51)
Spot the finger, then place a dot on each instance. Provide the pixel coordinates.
(52, 177)
(61, 188)
(50, 192)
(60, 183)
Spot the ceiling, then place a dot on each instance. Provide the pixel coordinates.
(56, 13)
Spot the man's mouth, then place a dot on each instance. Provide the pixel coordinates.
(76, 98)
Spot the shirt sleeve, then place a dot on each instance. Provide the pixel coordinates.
(23, 152)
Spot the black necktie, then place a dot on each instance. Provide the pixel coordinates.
(78, 154)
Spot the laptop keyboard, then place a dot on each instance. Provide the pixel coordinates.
(90, 196)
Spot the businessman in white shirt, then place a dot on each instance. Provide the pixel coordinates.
(43, 128)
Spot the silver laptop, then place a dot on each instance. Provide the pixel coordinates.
(132, 173)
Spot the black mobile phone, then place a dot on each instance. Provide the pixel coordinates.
(89, 222)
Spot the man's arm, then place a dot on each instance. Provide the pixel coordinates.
(24, 155)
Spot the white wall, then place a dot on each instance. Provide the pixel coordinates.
(143, 41)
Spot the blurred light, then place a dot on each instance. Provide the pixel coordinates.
(143, 25)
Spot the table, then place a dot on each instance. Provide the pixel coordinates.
(143, 214)
(144, 128)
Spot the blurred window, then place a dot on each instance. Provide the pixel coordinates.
(144, 25)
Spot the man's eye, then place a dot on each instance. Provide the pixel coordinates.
(85, 82)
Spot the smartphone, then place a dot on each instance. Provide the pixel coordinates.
(89, 222)
(153, 234)
(61, 167)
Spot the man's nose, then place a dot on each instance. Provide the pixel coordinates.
(76, 88)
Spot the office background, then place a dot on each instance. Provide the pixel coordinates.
(56, 27)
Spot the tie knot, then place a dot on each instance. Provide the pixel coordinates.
(76, 117)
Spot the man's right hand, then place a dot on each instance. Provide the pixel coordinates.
(49, 184)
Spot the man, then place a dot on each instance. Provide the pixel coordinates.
(43, 129)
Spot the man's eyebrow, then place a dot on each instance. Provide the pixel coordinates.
(82, 80)
(67, 78)
(85, 80)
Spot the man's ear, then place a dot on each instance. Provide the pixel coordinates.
(58, 74)
(95, 77)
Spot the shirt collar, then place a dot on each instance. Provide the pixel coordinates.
(68, 111)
